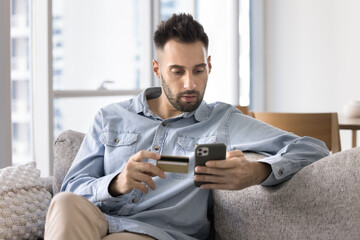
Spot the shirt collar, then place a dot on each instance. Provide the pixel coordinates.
(140, 105)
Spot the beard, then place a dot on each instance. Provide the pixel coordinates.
(175, 99)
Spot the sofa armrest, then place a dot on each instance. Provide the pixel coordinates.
(66, 147)
(320, 202)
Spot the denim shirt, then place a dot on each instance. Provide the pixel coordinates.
(176, 209)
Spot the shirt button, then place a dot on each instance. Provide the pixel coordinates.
(280, 172)
(134, 200)
(117, 140)
(156, 147)
(164, 124)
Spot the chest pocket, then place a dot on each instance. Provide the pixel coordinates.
(189, 144)
(185, 147)
(119, 147)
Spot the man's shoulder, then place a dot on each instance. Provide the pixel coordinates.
(221, 106)
(217, 110)
(225, 110)
(117, 107)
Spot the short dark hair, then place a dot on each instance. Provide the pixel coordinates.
(180, 27)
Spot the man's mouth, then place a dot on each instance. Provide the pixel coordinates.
(188, 98)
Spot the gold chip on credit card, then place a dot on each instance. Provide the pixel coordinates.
(173, 164)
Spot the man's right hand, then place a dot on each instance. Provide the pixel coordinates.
(136, 175)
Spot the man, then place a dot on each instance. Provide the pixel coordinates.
(118, 192)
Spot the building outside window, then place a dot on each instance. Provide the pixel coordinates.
(94, 50)
(21, 81)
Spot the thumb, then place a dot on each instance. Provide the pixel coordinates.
(235, 153)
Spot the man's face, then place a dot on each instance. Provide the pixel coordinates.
(183, 70)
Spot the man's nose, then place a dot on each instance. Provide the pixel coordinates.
(189, 83)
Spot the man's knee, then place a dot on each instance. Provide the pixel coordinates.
(70, 205)
(75, 217)
(66, 199)
(66, 203)
(60, 212)
(65, 196)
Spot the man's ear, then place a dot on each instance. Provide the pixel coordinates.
(156, 68)
(209, 63)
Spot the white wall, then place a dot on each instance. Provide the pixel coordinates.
(312, 56)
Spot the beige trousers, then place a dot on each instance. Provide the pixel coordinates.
(72, 217)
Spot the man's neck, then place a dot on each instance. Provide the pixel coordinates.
(162, 107)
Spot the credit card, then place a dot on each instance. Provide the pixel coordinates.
(174, 164)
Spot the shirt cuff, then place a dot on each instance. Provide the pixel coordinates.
(102, 188)
(281, 171)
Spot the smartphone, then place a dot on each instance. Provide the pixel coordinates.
(206, 152)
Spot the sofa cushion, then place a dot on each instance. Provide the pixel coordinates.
(66, 147)
(320, 202)
(24, 201)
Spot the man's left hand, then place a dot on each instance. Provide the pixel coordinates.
(233, 173)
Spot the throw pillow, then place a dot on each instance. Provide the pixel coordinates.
(24, 201)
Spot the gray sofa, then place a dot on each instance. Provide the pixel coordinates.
(322, 201)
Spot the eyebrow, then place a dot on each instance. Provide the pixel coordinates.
(179, 66)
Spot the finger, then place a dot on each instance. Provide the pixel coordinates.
(150, 169)
(229, 162)
(150, 174)
(235, 153)
(210, 178)
(141, 155)
(144, 178)
(223, 164)
(210, 170)
(140, 186)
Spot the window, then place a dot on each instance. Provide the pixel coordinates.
(100, 55)
(21, 82)
(95, 51)
(169, 7)
(244, 44)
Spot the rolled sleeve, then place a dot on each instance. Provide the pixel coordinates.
(288, 153)
(102, 188)
(280, 172)
(292, 158)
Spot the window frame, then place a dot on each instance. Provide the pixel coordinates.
(42, 91)
(5, 86)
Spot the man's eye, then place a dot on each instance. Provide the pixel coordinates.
(177, 72)
(200, 70)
